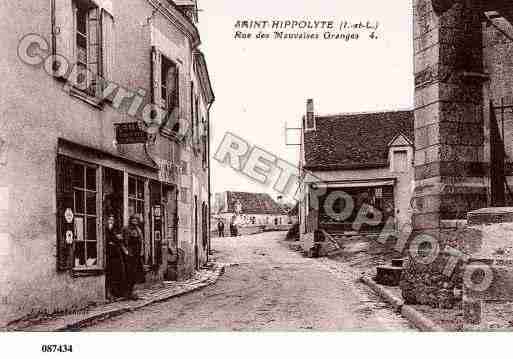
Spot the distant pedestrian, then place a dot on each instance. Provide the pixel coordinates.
(220, 228)
(115, 273)
(133, 239)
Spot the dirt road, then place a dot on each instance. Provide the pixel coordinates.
(268, 287)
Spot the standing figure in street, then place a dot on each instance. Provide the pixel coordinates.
(133, 239)
(220, 228)
(116, 279)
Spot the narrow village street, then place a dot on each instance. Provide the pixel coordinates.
(267, 286)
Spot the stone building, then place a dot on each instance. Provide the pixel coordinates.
(250, 210)
(463, 125)
(104, 109)
(355, 162)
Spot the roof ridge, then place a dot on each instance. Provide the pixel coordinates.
(363, 113)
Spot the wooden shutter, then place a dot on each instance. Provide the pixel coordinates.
(107, 55)
(63, 30)
(176, 98)
(64, 173)
(171, 88)
(156, 64)
(93, 49)
(193, 109)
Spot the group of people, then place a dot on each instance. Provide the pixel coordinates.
(234, 231)
(124, 266)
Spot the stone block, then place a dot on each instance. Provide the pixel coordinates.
(388, 275)
(398, 262)
(492, 215)
(427, 95)
(422, 221)
(428, 115)
(457, 133)
(489, 282)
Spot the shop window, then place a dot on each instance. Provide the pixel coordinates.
(136, 197)
(85, 200)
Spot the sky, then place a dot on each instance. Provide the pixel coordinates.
(261, 86)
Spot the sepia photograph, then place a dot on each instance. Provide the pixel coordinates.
(235, 167)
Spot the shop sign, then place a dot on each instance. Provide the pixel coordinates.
(167, 171)
(69, 237)
(157, 213)
(131, 133)
(68, 215)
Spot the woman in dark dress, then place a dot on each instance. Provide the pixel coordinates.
(115, 269)
(133, 237)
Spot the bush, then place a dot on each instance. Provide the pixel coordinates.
(293, 233)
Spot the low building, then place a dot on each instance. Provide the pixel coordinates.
(250, 210)
(104, 110)
(357, 172)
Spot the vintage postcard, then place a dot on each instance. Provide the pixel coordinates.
(257, 166)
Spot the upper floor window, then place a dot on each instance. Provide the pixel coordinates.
(87, 46)
(169, 84)
(83, 35)
(166, 86)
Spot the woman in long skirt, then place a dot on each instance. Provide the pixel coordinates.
(133, 238)
(115, 269)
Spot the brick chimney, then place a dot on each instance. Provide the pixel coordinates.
(310, 115)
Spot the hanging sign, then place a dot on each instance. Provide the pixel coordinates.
(68, 215)
(131, 133)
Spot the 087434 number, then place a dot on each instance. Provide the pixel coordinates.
(57, 348)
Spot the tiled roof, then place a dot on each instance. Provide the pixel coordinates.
(253, 203)
(352, 141)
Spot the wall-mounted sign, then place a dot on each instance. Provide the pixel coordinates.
(167, 171)
(69, 237)
(68, 215)
(157, 213)
(131, 133)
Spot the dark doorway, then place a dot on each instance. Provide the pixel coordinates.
(112, 200)
(196, 254)
(170, 206)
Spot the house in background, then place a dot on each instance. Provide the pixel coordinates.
(250, 210)
(348, 161)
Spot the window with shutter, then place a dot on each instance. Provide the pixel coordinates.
(63, 29)
(156, 76)
(107, 41)
(83, 33)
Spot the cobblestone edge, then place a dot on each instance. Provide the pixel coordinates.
(419, 320)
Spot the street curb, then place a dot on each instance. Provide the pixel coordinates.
(419, 320)
(384, 293)
(101, 316)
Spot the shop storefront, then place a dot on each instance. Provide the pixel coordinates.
(92, 185)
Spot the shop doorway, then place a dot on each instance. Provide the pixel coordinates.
(113, 195)
(112, 199)
(196, 253)
(170, 215)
